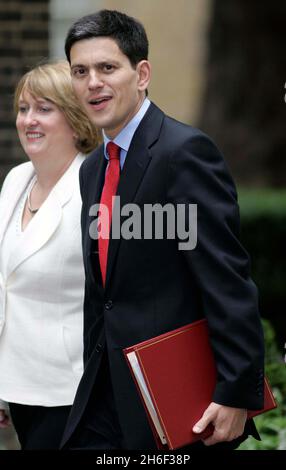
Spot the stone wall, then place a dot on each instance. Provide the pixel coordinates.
(23, 42)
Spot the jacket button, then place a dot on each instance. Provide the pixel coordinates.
(98, 347)
(109, 305)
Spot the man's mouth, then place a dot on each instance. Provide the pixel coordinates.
(99, 103)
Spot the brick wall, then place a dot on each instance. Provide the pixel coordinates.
(24, 26)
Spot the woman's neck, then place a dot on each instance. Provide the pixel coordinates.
(49, 172)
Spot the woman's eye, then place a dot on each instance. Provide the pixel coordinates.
(22, 109)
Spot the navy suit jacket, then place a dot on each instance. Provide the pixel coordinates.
(153, 287)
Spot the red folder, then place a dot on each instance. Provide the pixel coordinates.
(180, 375)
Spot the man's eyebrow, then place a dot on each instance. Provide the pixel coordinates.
(78, 65)
(107, 62)
(97, 64)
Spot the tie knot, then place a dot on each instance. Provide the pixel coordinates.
(113, 151)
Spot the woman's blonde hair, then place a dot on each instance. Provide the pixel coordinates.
(52, 81)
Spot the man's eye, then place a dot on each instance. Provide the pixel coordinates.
(79, 72)
(108, 67)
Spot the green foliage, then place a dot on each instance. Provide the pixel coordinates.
(263, 231)
(266, 202)
(272, 425)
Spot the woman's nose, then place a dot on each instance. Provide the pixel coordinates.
(31, 118)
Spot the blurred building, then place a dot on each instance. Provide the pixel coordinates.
(243, 108)
(32, 30)
(217, 64)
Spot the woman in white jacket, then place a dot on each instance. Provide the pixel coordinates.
(41, 268)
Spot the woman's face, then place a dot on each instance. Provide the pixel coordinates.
(42, 127)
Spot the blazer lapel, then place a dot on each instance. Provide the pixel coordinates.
(136, 163)
(13, 194)
(45, 222)
(37, 233)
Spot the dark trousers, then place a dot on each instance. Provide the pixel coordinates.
(39, 427)
(99, 427)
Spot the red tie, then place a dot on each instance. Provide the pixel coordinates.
(109, 189)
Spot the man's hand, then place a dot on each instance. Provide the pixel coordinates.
(4, 419)
(228, 423)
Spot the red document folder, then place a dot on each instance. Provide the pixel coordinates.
(180, 375)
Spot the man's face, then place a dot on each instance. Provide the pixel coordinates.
(109, 88)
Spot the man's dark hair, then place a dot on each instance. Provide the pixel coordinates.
(128, 33)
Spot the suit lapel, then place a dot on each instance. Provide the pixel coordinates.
(44, 224)
(136, 163)
(93, 197)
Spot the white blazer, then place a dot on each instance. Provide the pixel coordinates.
(41, 295)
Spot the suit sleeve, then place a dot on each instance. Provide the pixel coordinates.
(221, 268)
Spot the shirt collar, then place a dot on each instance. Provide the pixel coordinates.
(123, 139)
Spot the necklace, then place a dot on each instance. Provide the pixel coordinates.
(32, 211)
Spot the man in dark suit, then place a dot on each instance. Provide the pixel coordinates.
(139, 287)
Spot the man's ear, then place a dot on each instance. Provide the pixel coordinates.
(144, 74)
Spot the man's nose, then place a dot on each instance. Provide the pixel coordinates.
(95, 80)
